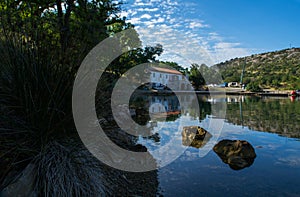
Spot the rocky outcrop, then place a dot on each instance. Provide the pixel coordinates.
(195, 136)
(238, 154)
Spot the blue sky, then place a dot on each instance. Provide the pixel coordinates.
(212, 31)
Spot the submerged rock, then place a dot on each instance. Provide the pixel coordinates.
(238, 154)
(195, 136)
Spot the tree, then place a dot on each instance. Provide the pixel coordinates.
(133, 58)
(196, 77)
(253, 87)
(69, 29)
(42, 44)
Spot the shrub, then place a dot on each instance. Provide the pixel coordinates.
(35, 101)
(253, 87)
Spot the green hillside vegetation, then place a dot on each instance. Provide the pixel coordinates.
(278, 70)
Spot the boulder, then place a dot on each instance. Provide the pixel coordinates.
(195, 136)
(238, 154)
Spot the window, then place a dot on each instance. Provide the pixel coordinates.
(153, 74)
(160, 76)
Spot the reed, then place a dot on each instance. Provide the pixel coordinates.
(35, 114)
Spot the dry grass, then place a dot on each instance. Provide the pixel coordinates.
(68, 170)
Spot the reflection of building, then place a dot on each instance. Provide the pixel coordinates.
(227, 99)
(163, 105)
(162, 77)
(235, 99)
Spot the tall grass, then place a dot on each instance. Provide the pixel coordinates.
(35, 113)
(65, 169)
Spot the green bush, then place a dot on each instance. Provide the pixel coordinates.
(253, 87)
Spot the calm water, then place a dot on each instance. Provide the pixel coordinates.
(270, 125)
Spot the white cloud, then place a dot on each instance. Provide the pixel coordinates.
(146, 16)
(123, 14)
(134, 20)
(186, 40)
(160, 20)
(226, 45)
(194, 25)
(148, 9)
(222, 51)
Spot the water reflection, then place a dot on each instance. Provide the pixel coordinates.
(274, 115)
(245, 166)
(195, 136)
(168, 106)
(238, 154)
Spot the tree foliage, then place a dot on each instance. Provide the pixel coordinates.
(196, 77)
(279, 69)
(253, 87)
(68, 28)
(42, 44)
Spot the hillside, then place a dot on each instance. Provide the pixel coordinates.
(279, 69)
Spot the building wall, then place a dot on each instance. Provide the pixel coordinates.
(174, 80)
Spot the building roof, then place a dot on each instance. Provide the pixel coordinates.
(166, 70)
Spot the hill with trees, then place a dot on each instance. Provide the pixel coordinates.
(278, 70)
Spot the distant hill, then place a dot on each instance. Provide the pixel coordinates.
(279, 69)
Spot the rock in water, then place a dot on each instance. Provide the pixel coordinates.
(195, 136)
(238, 154)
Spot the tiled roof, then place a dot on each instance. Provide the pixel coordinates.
(165, 70)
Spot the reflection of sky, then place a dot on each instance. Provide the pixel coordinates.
(275, 171)
(171, 140)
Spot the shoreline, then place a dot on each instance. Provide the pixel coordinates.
(218, 92)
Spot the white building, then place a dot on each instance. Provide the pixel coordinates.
(162, 77)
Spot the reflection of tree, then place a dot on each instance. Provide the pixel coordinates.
(238, 154)
(204, 108)
(270, 115)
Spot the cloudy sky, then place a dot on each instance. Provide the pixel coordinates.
(212, 31)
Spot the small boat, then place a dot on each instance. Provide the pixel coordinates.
(293, 93)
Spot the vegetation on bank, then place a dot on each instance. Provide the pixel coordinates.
(42, 44)
(278, 70)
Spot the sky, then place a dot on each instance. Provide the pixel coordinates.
(213, 31)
